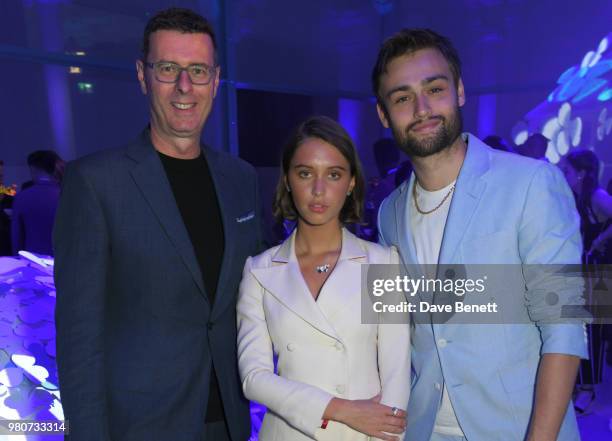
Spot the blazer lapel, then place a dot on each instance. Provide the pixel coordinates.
(226, 193)
(468, 191)
(150, 177)
(285, 282)
(344, 281)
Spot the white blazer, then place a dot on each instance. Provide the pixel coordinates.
(323, 349)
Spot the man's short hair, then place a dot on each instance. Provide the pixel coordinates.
(177, 19)
(328, 130)
(44, 160)
(408, 41)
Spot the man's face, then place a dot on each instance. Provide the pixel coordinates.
(421, 102)
(178, 110)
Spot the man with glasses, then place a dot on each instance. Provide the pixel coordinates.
(150, 241)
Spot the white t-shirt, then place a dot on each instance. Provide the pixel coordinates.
(427, 232)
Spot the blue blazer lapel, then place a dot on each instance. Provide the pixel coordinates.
(150, 177)
(226, 193)
(468, 191)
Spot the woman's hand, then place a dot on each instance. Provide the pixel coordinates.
(368, 417)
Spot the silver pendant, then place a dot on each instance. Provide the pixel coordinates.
(323, 268)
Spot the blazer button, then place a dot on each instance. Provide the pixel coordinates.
(340, 389)
(291, 347)
(210, 325)
(339, 346)
(438, 386)
(442, 343)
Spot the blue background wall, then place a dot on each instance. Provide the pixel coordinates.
(513, 52)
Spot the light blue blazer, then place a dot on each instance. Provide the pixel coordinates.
(506, 209)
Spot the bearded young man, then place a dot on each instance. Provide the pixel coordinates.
(469, 204)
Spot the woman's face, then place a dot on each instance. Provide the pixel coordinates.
(571, 175)
(319, 177)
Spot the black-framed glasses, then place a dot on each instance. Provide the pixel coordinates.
(167, 72)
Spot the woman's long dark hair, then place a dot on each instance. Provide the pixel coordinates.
(586, 161)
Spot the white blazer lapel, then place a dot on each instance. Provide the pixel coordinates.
(285, 282)
(344, 281)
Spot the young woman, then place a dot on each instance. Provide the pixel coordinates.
(337, 379)
(581, 169)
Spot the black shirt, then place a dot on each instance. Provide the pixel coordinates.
(196, 198)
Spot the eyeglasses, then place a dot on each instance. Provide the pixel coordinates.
(166, 72)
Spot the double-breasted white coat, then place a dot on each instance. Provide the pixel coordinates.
(323, 348)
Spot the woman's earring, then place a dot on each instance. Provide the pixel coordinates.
(348, 193)
(288, 188)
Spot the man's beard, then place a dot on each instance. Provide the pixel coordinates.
(448, 132)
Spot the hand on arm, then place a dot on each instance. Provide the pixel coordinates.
(367, 416)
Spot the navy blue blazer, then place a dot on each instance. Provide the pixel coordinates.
(136, 335)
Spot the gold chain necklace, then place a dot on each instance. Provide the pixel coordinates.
(416, 204)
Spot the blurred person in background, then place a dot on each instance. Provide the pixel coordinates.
(609, 187)
(6, 203)
(34, 207)
(58, 170)
(404, 171)
(387, 157)
(498, 143)
(535, 147)
(581, 169)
